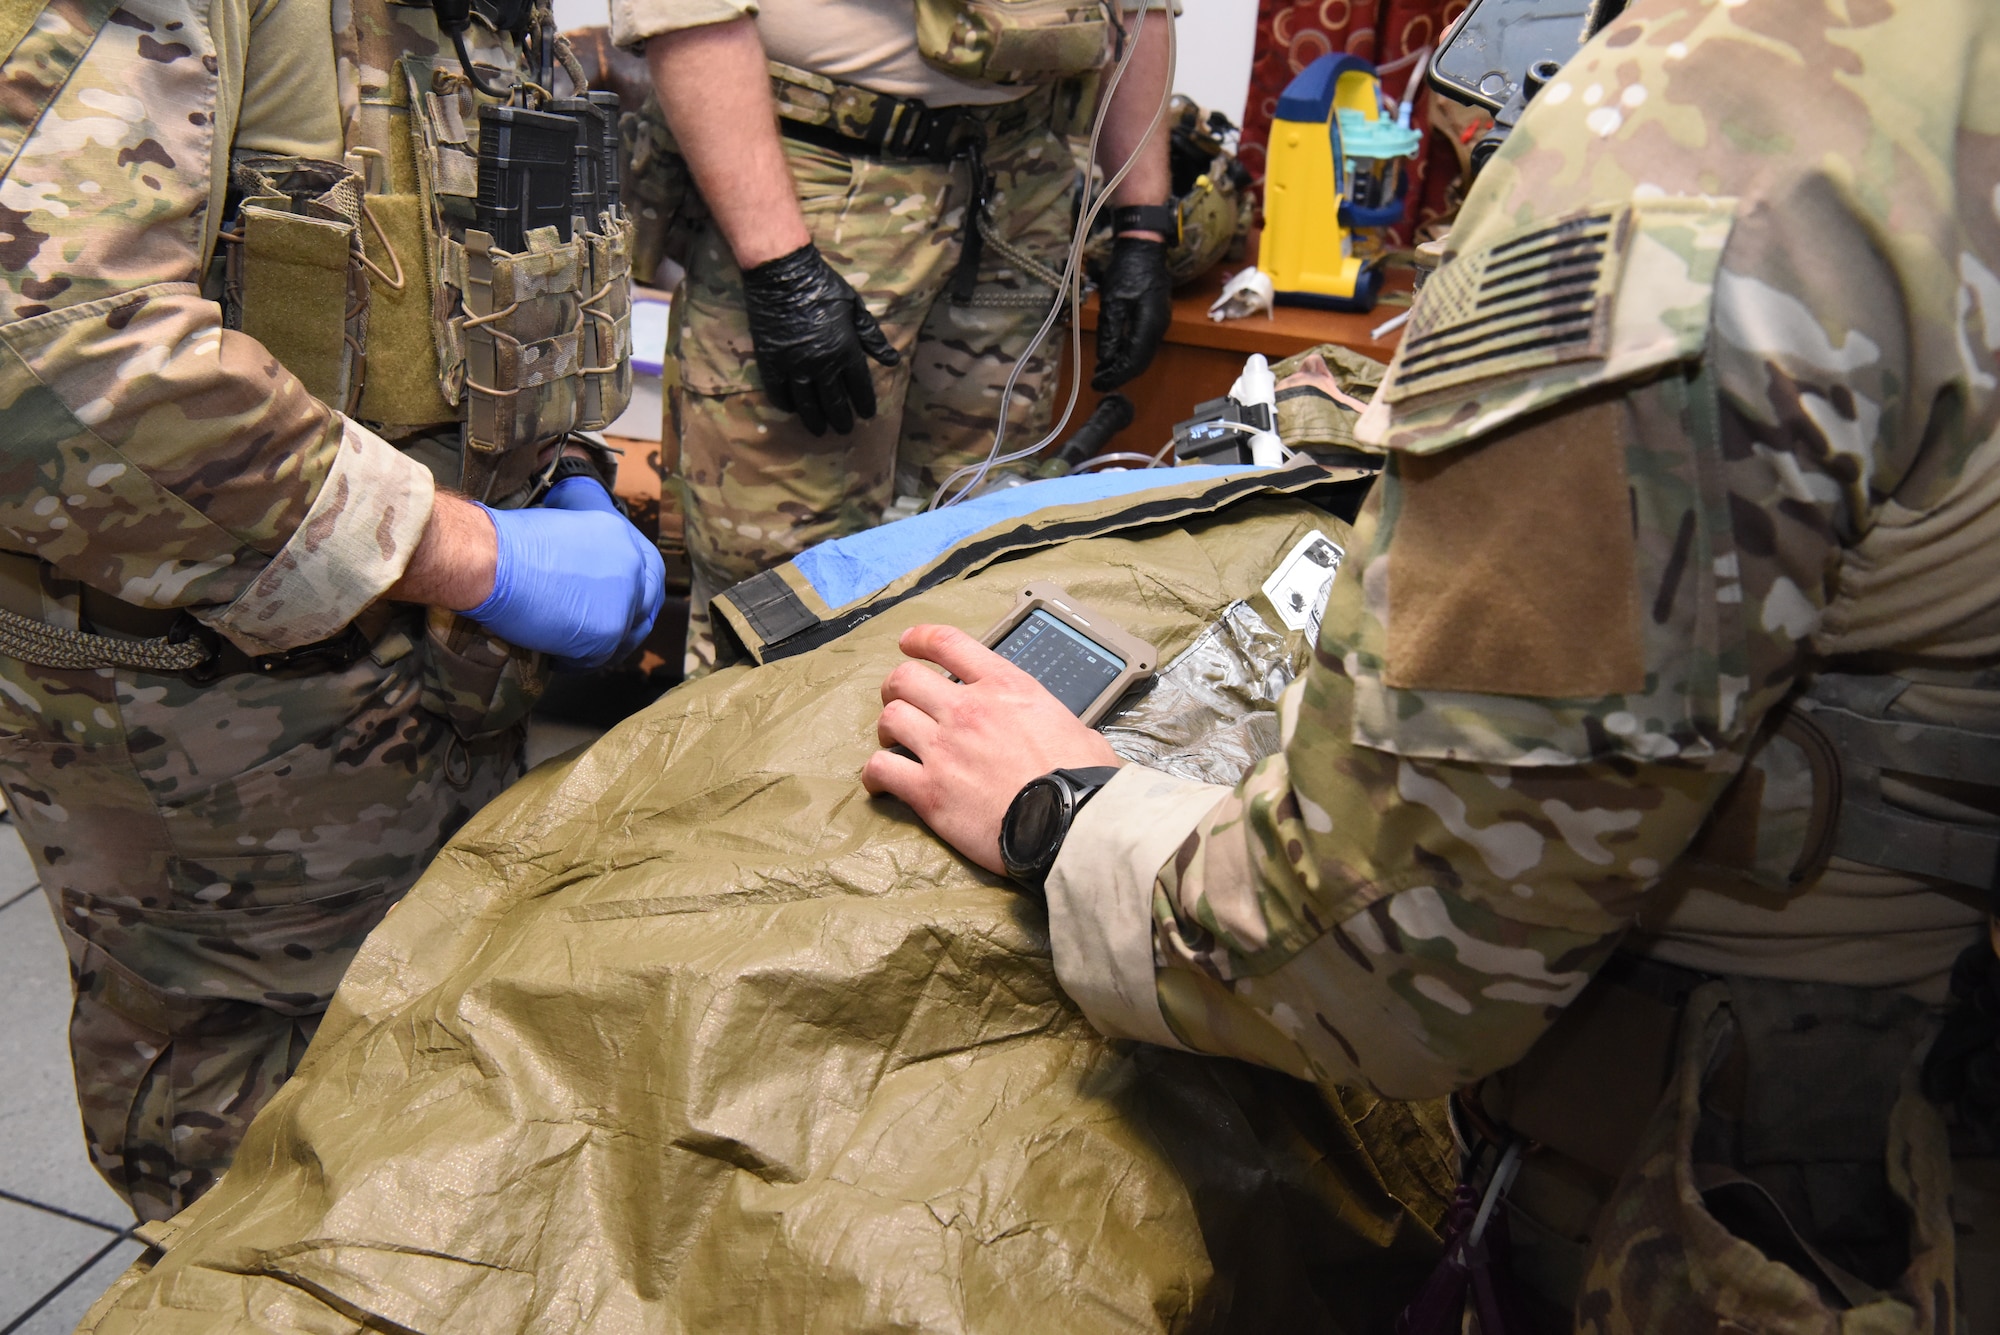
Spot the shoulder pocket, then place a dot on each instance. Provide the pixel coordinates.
(1550, 580)
(1537, 314)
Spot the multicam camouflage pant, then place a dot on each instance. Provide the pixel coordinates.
(757, 489)
(215, 855)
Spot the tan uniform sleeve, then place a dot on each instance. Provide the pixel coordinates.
(634, 21)
(1100, 893)
(151, 452)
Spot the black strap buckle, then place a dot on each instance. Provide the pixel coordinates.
(336, 653)
(913, 130)
(186, 628)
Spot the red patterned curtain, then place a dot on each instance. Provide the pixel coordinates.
(1291, 34)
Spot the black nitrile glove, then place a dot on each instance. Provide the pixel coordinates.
(810, 330)
(1135, 303)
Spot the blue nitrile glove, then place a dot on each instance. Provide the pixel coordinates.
(573, 578)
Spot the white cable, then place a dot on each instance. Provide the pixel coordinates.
(1122, 458)
(1093, 203)
(1413, 87)
(1503, 1177)
(1401, 61)
(1072, 285)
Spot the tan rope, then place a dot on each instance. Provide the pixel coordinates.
(38, 642)
(475, 321)
(393, 284)
(1033, 267)
(571, 65)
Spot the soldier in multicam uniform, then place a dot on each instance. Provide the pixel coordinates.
(231, 736)
(1642, 787)
(850, 175)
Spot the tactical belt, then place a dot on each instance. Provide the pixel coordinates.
(844, 118)
(171, 642)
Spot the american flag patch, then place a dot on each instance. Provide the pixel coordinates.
(1532, 299)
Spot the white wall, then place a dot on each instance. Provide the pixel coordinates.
(1215, 42)
(1216, 38)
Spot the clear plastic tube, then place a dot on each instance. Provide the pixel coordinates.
(1124, 458)
(1094, 201)
(1413, 87)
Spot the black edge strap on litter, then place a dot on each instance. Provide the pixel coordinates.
(770, 606)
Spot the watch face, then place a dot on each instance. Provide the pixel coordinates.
(1036, 823)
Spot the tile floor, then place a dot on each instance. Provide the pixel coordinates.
(64, 1235)
(62, 1231)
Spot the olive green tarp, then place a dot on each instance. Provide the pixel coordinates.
(689, 1034)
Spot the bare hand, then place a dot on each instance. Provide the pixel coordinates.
(979, 739)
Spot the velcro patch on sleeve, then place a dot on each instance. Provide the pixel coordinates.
(1513, 566)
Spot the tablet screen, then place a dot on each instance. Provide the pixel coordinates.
(1075, 669)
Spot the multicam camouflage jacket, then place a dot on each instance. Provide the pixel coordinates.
(1705, 397)
(149, 451)
(152, 449)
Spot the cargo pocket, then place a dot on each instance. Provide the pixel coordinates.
(478, 683)
(165, 968)
(1670, 1250)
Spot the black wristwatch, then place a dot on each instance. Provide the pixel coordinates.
(1038, 819)
(1162, 218)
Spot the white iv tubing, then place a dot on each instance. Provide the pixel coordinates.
(1072, 278)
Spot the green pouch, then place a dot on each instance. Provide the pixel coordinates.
(295, 280)
(1013, 41)
(401, 388)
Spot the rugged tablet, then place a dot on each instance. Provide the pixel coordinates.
(1084, 659)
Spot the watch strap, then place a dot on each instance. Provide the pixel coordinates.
(598, 468)
(1085, 782)
(1162, 218)
(1081, 785)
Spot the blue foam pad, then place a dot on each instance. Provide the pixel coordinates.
(855, 566)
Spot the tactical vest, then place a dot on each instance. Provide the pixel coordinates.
(1733, 1100)
(372, 281)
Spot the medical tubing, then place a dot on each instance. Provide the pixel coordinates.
(1070, 287)
(465, 66)
(1094, 202)
(1120, 457)
(1413, 87)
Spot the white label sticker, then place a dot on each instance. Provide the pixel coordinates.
(1298, 587)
